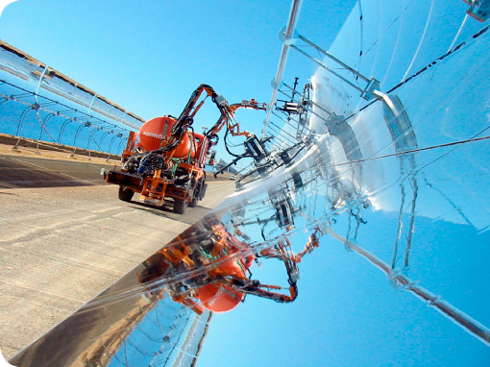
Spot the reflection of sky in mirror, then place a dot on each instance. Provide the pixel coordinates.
(42, 104)
(397, 187)
(423, 215)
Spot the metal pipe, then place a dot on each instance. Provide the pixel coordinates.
(288, 37)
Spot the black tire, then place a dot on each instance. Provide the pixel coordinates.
(202, 193)
(125, 194)
(195, 196)
(180, 206)
(193, 202)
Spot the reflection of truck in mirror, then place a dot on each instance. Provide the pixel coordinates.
(168, 161)
(208, 268)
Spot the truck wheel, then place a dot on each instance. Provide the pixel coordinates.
(125, 194)
(203, 190)
(195, 196)
(180, 206)
(193, 202)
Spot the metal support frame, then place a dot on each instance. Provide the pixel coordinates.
(123, 116)
(45, 121)
(287, 35)
(306, 107)
(4, 100)
(371, 84)
(88, 113)
(61, 111)
(112, 140)
(121, 143)
(88, 143)
(77, 134)
(62, 129)
(102, 138)
(479, 9)
(91, 135)
(19, 125)
(41, 77)
(91, 103)
(110, 146)
(97, 129)
(311, 102)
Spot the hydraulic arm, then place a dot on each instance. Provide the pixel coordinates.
(169, 160)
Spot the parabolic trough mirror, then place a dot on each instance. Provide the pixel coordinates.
(369, 216)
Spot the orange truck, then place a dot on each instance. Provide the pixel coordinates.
(166, 159)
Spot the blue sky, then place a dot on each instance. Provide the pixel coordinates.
(148, 57)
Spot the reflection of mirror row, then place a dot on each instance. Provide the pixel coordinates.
(348, 168)
(41, 104)
(43, 119)
(29, 73)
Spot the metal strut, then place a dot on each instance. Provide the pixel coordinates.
(372, 84)
(287, 35)
(479, 9)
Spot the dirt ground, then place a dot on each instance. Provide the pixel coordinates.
(29, 148)
(65, 236)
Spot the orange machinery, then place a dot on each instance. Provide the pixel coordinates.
(169, 159)
(210, 269)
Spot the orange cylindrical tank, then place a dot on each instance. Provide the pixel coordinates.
(185, 146)
(222, 298)
(219, 299)
(155, 133)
